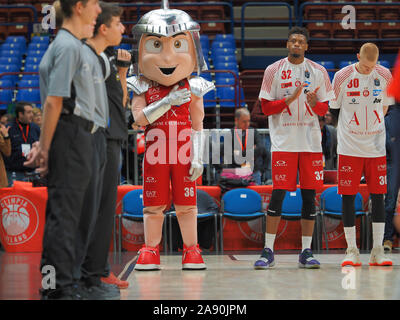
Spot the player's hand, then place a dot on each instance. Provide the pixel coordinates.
(312, 98)
(124, 56)
(178, 97)
(296, 94)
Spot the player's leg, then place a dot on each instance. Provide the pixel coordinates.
(311, 178)
(350, 171)
(375, 176)
(284, 175)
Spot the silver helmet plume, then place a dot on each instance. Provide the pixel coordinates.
(167, 22)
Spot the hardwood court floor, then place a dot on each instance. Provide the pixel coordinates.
(228, 277)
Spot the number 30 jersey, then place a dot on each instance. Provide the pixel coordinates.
(295, 129)
(360, 98)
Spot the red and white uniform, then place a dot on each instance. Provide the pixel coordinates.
(158, 176)
(295, 132)
(361, 127)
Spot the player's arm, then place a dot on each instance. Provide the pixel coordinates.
(269, 107)
(334, 105)
(196, 109)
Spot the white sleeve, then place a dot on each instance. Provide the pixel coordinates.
(269, 85)
(325, 91)
(336, 101)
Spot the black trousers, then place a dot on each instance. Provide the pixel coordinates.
(70, 171)
(91, 205)
(96, 265)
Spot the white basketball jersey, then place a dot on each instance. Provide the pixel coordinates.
(360, 98)
(296, 129)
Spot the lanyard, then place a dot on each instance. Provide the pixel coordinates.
(240, 140)
(25, 137)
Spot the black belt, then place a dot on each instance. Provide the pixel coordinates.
(87, 125)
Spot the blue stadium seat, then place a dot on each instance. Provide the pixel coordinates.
(6, 96)
(11, 53)
(29, 95)
(31, 68)
(33, 60)
(225, 37)
(327, 64)
(232, 66)
(222, 45)
(242, 101)
(14, 39)
(226, 93)
(222, 52)
(30, 77)
(343, 64)
(38, 46)
(36, 53)
(222, 80)
(384, 63)
(29, 83)
(11, 61)
(9, 68)
(12, 46)
(206, 75)
(222, 76)
(212, 97)
(225, 59)
(6, 84)
(331, 75)
(40, 39)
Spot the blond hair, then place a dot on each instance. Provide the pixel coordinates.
(370, 51)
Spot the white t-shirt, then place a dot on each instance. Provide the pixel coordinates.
(296, 129)
(360, 98)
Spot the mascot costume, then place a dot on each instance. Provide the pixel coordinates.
(168, 102)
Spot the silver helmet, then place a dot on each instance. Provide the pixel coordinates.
(167, 22)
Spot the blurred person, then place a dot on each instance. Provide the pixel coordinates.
(240, 140)
(360, 105)
(294, 92)
(6, 119)
(329, 143)
(37, 116)
(260, 120)
(5, 150)
(23, 134)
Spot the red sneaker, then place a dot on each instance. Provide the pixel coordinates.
(149, 259)
(112, 279)
(191, 258)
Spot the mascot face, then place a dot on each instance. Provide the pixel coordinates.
(167, 60)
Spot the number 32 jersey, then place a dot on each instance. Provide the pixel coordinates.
(360, 98)
(295, 129)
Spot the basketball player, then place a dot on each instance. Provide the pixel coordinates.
(361, 99)
(294, 92)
